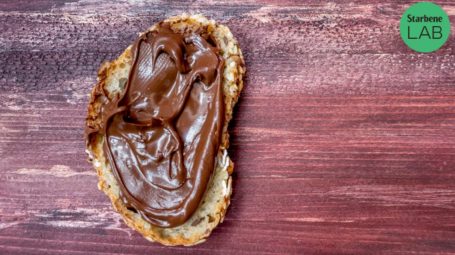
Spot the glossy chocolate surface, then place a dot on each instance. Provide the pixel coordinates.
(162, 135)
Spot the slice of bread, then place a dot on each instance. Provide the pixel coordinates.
(112, 78)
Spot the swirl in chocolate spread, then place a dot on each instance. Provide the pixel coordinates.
(162, 135)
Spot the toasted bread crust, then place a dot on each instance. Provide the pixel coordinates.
(112, 77)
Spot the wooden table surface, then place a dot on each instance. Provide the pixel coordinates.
(343, 140)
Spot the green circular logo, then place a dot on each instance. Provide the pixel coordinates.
(424, 27)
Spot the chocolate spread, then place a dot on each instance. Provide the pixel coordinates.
(162, 134)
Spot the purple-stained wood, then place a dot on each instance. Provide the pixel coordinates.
(343, 140)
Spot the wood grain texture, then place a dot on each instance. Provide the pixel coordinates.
(343, 140)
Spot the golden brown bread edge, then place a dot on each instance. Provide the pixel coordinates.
(112, 77)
